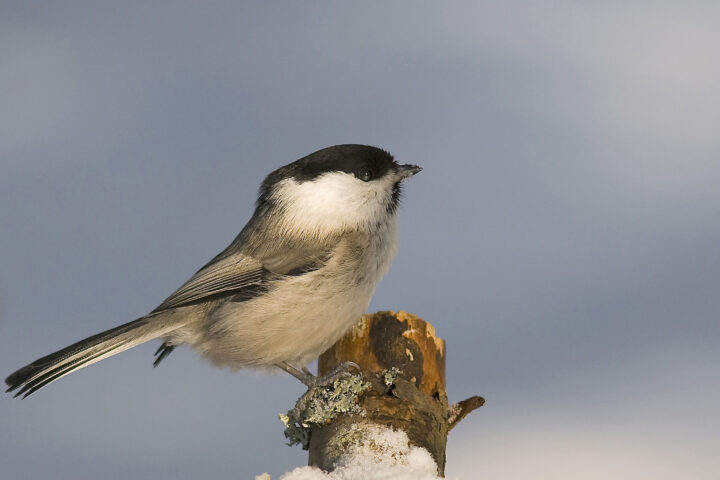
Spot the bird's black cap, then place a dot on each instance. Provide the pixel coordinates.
(348, 158)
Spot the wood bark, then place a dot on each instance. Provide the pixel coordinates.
(404, 363)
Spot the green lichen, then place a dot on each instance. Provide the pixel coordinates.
(390, 375)
(319, 406)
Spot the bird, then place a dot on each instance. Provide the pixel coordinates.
(293, 281)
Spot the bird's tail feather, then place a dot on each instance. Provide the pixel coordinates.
(88, 351)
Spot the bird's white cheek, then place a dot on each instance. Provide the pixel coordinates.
(332, 201)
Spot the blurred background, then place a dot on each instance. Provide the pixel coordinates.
(563, 237)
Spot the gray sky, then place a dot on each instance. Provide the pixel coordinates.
(563, 237)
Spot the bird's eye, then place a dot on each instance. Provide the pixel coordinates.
(365, 174)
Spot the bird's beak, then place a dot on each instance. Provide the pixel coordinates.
(407, 171)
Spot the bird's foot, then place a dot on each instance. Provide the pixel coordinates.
(315, 383)
(312, 381)
(341, 371)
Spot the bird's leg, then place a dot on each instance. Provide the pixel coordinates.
(310, 380)
(304, 376)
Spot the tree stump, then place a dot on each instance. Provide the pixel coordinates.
(403, 364)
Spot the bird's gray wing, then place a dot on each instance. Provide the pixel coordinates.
(233, 273)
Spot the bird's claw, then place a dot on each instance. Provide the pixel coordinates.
(314, 383)
(340, 371)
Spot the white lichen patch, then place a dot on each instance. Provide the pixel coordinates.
(453, 412)
(390, 375)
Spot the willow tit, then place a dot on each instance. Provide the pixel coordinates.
(294, 280)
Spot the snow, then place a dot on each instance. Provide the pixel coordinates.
(383, 454)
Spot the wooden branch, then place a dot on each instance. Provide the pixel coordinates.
(460, 410)
(403, 387)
